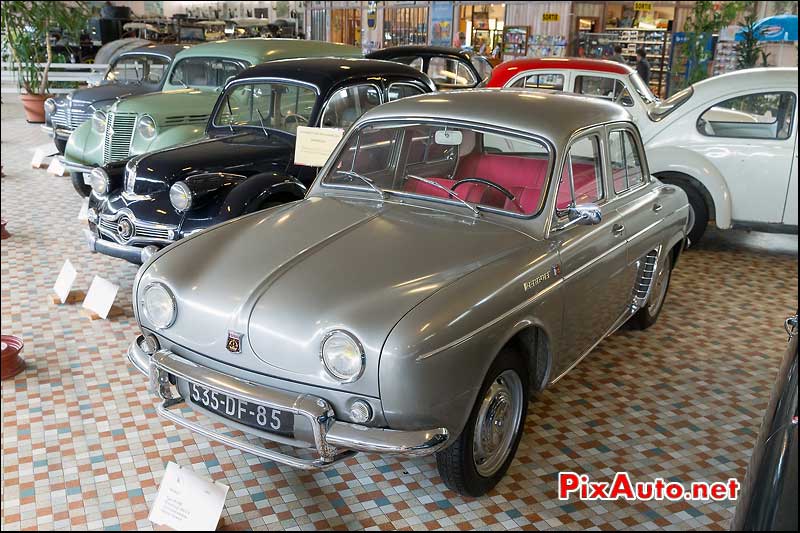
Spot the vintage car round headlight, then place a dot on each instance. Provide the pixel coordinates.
(180, 195)
(146, 127)
(99, 120)
(50, 106)
(99, 181)
(159, 306)
(343, 356)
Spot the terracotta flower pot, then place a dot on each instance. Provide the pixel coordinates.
(11, 363)
(34, 106)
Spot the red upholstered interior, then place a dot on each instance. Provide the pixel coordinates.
(523, 177)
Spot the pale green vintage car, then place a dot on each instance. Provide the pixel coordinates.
(141, 124)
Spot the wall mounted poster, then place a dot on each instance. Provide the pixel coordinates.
(442, 23)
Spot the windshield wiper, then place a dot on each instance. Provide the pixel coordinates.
(230, 111)
(365, 180)
(183, 83)
(448, 191)
(261, 120)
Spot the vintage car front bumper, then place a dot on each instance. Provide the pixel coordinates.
(135, 254)
(58, 133)
(333, 440)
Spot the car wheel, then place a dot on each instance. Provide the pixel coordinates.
(698, 213)
(479, 458)
(61, 145)
(77, 182)
(647, 315)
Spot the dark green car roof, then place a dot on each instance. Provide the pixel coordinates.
(259, 50)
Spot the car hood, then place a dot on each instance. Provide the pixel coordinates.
(287, 276)
(179, 103)
(110, 91)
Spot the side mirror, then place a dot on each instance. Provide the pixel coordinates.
(581, 215)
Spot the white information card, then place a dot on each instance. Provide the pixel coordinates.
(64, 281)
(100, 296)
(314, 145)
(83, 214)
(187, 502)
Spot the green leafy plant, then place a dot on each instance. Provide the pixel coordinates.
(27, 26)
(749, 50)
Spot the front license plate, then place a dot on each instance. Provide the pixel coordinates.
(247, 413)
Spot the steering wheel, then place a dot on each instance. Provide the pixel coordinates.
(299, 120)
(505, 192)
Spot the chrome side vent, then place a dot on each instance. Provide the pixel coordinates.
(644, 278)
(179, 120)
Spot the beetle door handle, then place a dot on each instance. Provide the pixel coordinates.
(617, 229)
(657, 207)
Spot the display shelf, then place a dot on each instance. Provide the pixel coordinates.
(515, 41)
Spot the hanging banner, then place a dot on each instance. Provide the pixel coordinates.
(550, 17)
(442, 23)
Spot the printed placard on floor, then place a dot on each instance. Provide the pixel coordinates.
(41, 153)
(187, 502)
(83, 214)
(314, 145)
(100, 296)
(65, 280)
(56, 167)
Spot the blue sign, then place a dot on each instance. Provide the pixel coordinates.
(442, 23)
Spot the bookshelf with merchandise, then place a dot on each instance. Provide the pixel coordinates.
(515, 41)
(656, 43)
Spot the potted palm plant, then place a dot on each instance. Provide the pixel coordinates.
(27, 26)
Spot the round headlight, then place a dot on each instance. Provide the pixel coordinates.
(159, 306)
(180, 195)
(147, 127)
(99, 181)
(343, 356)
(50, 106)
(99, 122)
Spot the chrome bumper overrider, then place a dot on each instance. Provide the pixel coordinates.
(135, 254)
(334, 440)
(75, 167)
(62, 133)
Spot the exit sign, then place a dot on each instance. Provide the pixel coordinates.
(643, 6)
(550, 17)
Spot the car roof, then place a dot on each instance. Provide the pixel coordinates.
(768, 79)
(325, 72)
(550, 114)
(170, 50)
(508, 69)
(259, 50)
(415, 49)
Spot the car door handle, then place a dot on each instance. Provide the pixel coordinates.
(617, 229)
(657, 207)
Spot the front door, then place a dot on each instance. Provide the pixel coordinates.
(593, 258)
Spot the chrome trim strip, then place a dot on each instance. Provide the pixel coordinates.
(74, 167)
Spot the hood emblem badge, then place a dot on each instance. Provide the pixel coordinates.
(234, 344)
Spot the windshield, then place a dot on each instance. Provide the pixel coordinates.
(665, 107)
(278, 106)
(485, 169)
(138, 69)
(204, 72)
(642, 89)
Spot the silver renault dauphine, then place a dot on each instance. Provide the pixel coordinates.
(457, 253)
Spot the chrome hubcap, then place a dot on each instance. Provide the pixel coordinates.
(690, 225)
(499, 420)
(659, 291)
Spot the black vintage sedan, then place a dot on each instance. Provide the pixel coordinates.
(245, 161)
(139, 71)
(448, 67)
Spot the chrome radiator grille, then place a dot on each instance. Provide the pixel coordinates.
(119, 132)
(111, 227)
(72, 115)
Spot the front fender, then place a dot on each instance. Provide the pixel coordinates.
(167, 138)
(85, 146)
(252, 193)
(676, 159)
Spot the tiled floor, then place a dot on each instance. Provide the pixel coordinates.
(83, 448)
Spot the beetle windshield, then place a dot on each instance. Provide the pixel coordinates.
(486, 169)
(642, 89)
(672, 103)
(278, 106)
(138, 69)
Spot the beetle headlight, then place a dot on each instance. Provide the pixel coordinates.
(50, 106)
(99, 181)
(147, 128)
(180, 195)
(159, 306)
(99, 121)
(343, 356)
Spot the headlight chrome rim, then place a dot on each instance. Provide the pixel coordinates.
(99, 122)
(146, 311)
(150, 128)
(99, 181)
(180, 196)
(340, 377)
(50, 106)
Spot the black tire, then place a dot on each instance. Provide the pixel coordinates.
(61, 145)
(699, 208)
(647, 315)
(80, 187)
(455, 463)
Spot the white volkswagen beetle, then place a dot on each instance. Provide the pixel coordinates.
(731, 143)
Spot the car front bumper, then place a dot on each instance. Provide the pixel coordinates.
(333, 440)
(58, 133)
(135, 254)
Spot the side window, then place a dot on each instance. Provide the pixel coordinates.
(204, 72)
(483, 67)
(626, 167)
(450, 72)
(541, 81)
(582, 177)
(403, 90)
(413, 61)
(600, 86)
(346, 105)
(752, 116)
